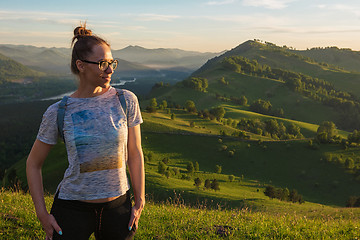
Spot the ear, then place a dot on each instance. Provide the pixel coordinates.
(80, 66)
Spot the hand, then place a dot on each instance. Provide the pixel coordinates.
(49, 224)
(135, 216)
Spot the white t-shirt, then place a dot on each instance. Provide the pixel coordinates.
(96, 134)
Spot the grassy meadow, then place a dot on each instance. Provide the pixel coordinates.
(177, 209)
(175, 220)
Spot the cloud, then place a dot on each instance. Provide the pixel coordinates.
(223, 2)
(157, 17)
(271, 4)
(40, 17)
(307, 30)
(341, 7)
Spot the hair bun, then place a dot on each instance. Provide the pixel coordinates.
(81, 31)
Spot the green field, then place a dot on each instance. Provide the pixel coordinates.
(326, 175)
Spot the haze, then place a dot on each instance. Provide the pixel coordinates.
(202, 25)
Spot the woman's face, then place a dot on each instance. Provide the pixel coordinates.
(92, 74)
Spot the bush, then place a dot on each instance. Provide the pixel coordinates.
(353, 201)
(231, 178)
(218, 169)
(215, 185)
(197, 182)
(166, 160)
(190, 168)
(162, 167)
(283, 194)
(207, 184)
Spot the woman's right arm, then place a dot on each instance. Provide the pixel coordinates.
(34, 164)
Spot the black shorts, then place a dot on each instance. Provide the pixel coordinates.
(78, 220)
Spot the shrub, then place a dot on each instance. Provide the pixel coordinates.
(215, 185)
(231, 178)
(190, 168)
(218, 169)
(207, 184)
(162, 167)
(166, 160)
(197, 182)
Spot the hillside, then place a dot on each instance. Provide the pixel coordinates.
(292, 164)
(253, 123)
(345, 58)
(269, 72)
(176, 220)
(12, 71)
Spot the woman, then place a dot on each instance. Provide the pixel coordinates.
(101, 139)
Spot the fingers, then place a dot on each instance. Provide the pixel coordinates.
(49, 226)
(132, 219)
(55, 225)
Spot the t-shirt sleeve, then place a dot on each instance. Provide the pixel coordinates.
(134, 113)
(48, 131)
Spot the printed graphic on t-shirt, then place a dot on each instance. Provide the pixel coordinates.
(97, 146)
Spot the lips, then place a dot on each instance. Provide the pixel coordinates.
(107, 78)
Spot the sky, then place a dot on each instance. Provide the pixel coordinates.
(195, 25)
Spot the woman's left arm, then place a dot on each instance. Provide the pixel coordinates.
(137, 173)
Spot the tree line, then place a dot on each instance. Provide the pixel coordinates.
(315, 88)
(283, 194)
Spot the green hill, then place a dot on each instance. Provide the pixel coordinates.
(270, 73)
(292, 164)
(11, 70)
(342, 57)
(176, 220)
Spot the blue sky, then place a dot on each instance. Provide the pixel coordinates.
(199, 25)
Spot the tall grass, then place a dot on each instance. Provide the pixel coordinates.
(175, 220)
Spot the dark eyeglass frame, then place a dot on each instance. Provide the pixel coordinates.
(103, 61)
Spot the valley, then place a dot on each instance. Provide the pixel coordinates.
(262, 114)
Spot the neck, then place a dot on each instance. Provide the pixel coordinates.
(88, 92)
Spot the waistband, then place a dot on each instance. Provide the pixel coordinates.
(121, 200)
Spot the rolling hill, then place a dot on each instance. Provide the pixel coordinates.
(326, 175)
(296, 105)
(12, 71)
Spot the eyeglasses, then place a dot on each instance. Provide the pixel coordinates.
(104, 65)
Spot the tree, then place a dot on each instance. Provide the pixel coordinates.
(215, 185)
(167, 174)
(349, 163)
(196, 166)
(162, 167)
(166, 160)
(218, 169)
(270, 191)
(326, 131)
(197, 83)
(231, 178)
(152, 107)
(207, 184)
(164, 104)
(261, 106)
(243, 100)
(190, 168)
(190, 106)
(153, 103)
(293, 129)
(218, 112)
(197, 182)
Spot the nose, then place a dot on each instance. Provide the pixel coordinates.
(109, 70)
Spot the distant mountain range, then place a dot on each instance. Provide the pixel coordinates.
(134, 59)
(11, 70)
